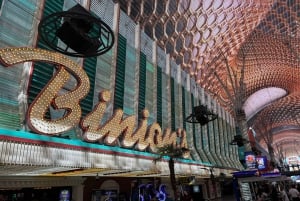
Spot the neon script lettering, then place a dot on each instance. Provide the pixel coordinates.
(114, 129)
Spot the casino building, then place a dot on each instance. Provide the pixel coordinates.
(79, 127)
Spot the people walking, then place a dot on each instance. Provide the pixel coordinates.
(294, 193)
(283, 194)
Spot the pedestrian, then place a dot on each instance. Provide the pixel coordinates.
(274, 194)
(262, 196)
(283, 194)
(294, 193)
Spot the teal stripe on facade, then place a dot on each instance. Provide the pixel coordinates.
(81, 144)
(142, 83)
(173, 115)
(159, 96)
(120, 73)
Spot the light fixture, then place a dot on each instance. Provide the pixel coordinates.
(239, 141)
(83, 34)
(201, 115)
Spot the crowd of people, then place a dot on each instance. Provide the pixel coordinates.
(278, 193)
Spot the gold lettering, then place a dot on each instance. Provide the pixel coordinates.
(139, 137)
(49, 95)
(91, 123)
(155, 131)
(112, 129)
(116, 128)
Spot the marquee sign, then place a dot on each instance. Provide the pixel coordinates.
(116, 128)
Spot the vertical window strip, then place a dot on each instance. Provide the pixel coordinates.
(165, 101)
(173, 114)
(226, 141)
(191, 130)
(205, 137)
(178, 105)
(187, 127)
(212, 147)
(183, 97)
(217, 141)
(222, 136)
(234, 149)
(142, 84)
(104, 74)
(159, 96)
(223, 139)
(90, 67)
(120, 73)
(17, 22)
(199, 138)
(229, 148)
(130, 81)
(234, 155)
(149, 91)
(206, 143)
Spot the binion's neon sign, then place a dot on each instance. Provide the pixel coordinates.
(116, 128)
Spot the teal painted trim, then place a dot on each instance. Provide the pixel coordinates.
(149, 67)
(9, 102)
(72, 142)
(79, 143)
(142, 84)
(53, 6)
(120, 73)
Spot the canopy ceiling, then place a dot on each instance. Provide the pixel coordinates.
(216, 41)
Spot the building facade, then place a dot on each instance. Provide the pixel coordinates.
(66, 116)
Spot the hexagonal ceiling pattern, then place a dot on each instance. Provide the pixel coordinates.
(235, 48)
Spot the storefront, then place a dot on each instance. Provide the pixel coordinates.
(22, 188)
(64, 121)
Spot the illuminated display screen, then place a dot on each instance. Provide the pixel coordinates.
(261, 162)
(64, 195)
(250, 160)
